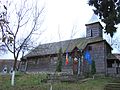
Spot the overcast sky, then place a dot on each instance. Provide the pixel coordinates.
(63, 15)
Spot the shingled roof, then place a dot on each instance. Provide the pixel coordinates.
(53, 48)
(111, 56)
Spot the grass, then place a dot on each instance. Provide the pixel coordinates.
(34, 82)
(22, 82)
(96, 84)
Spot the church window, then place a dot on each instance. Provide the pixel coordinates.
(91, 33)
(90, 48)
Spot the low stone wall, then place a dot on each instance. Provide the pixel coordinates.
(112, 86)
(63, 77)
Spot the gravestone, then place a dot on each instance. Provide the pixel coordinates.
(11, 71)
(4, 70)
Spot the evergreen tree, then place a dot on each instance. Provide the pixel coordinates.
(59, 63)
(93, 68)
(109, 13)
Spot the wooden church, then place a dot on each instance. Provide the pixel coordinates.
(44, 58)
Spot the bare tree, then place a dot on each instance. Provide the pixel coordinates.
(19, 32)
(3, 49)
(115, 43)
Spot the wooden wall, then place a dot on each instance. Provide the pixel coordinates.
(98, 54)
(47, 64)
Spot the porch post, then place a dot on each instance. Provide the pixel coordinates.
(79, 66)
(26, 64)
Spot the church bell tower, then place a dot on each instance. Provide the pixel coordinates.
(94, 28)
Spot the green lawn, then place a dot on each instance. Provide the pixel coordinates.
(34, 82)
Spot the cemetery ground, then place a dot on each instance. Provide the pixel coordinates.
(39, 82)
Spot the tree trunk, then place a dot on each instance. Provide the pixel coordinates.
(13, 73)
(13, 78)
(15, 62)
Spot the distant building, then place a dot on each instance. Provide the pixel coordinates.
(45, 57)
(6, 65)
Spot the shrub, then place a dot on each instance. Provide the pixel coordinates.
(93, 68)
(59, 63)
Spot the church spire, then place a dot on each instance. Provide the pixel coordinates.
(93, 19)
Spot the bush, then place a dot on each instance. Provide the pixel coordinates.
(93, 68)
(59, 63)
